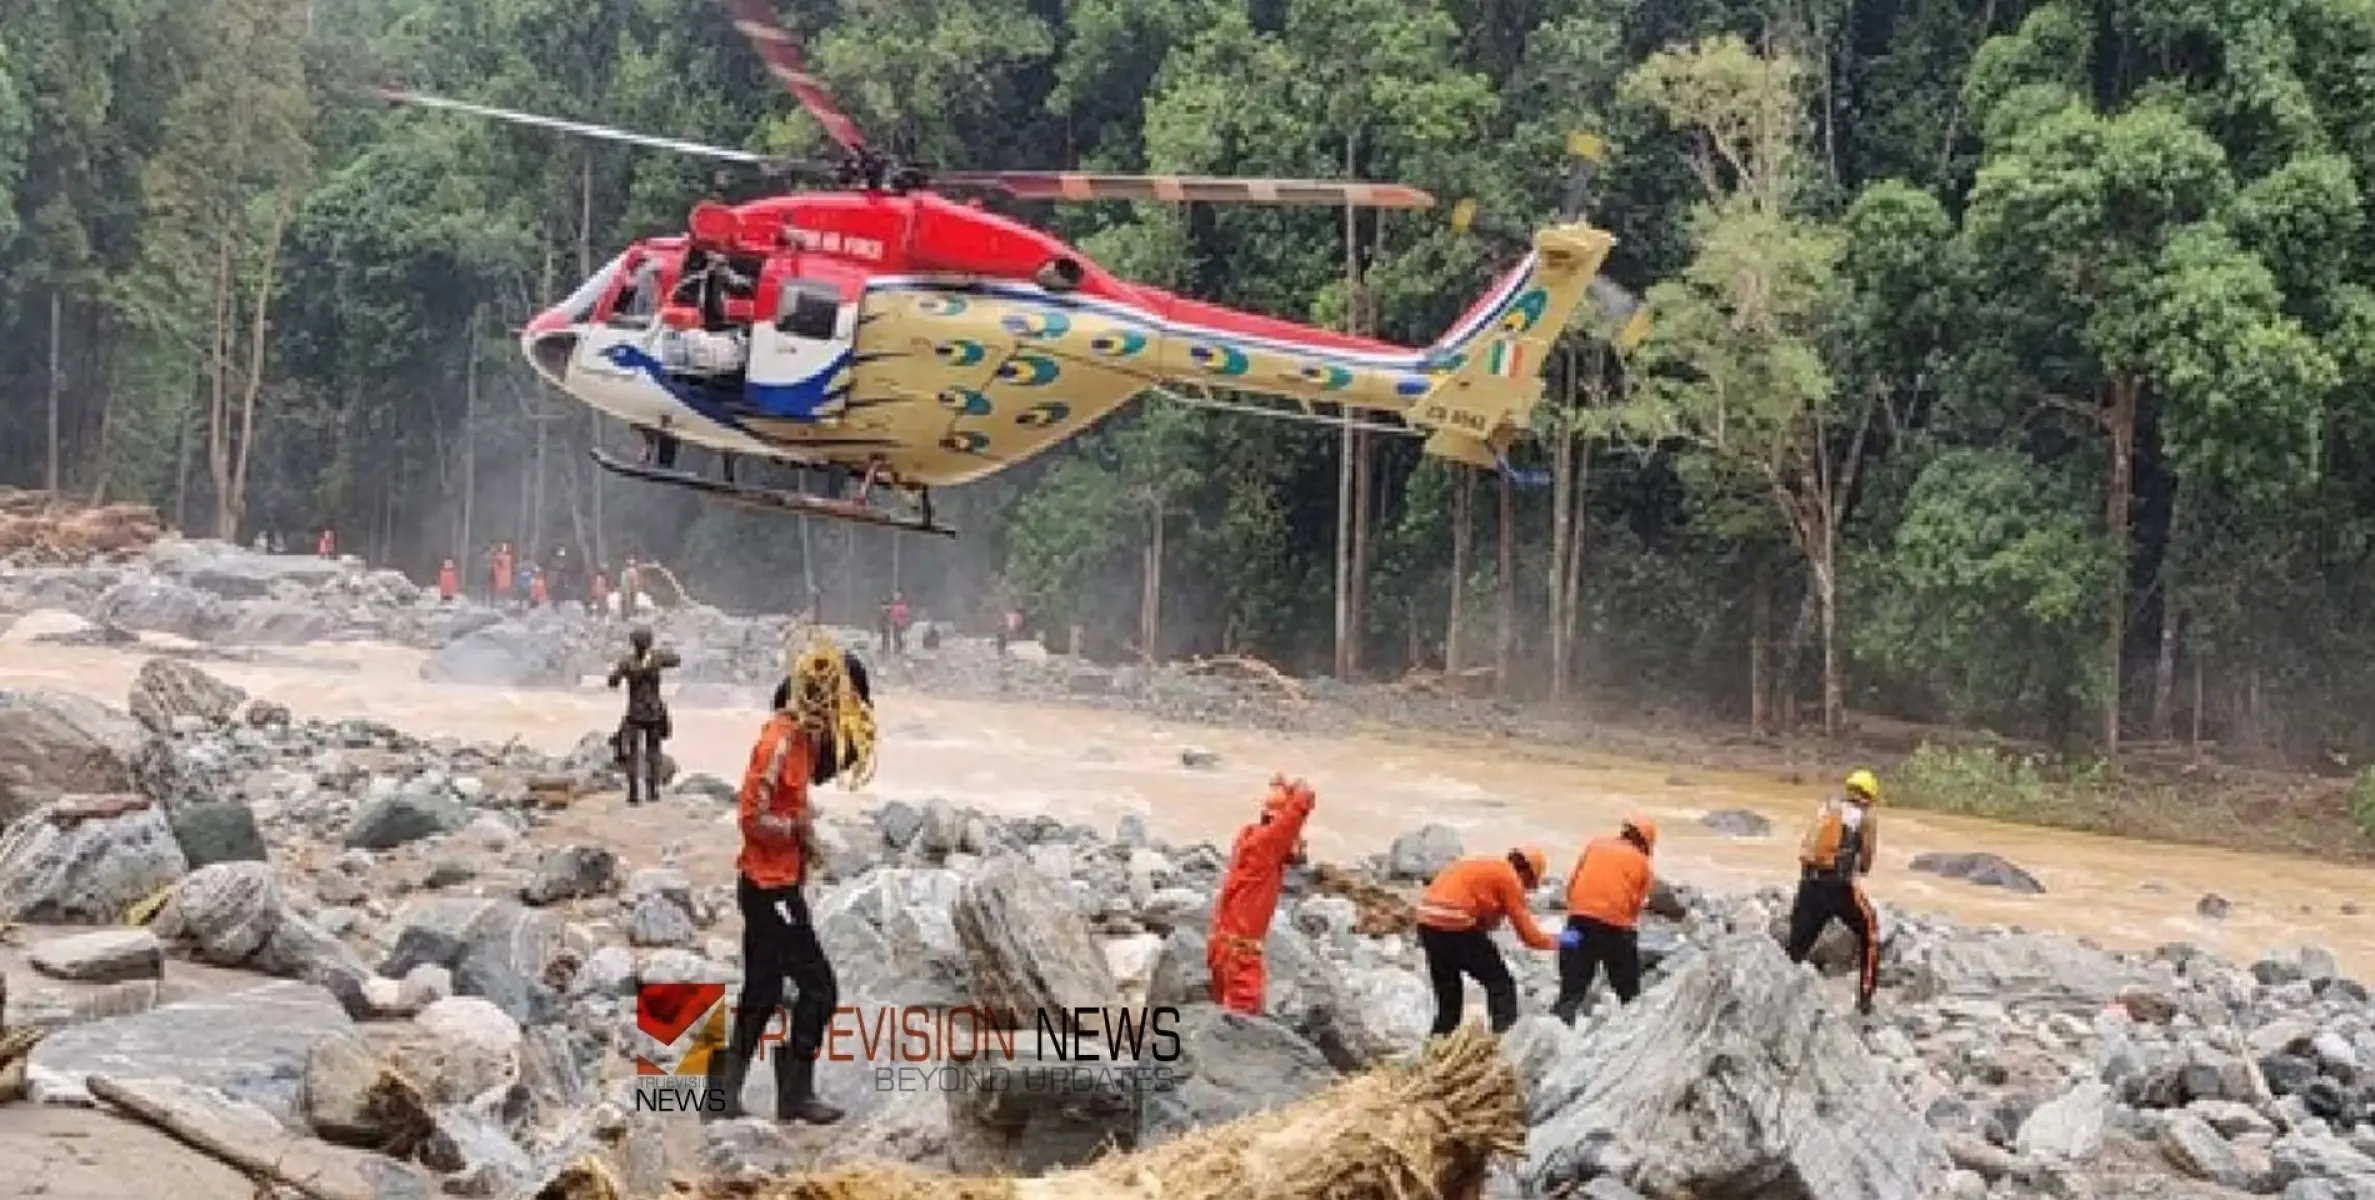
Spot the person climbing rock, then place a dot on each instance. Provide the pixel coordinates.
(1248, 895)
(1456, 916)
(1833, 858)
(822, 727)
(646, 722)
(1605, 895)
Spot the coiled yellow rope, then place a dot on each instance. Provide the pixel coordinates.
(827, 703)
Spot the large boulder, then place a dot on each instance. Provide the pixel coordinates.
(494, 948)
(1030, 952)
(892, 937)
(1301, 990)
(159, 606)
(277, 623)
(250, 1045)
(238, 573)
(513, 654)
(1732, 1080)
(234, 914)
(2012, 966)
(86, 860)
(58, 743)
(1222, 1066)
(167, 688)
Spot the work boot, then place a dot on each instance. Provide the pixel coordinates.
(1863, 1006)
(795, 1091)
(722, 1098)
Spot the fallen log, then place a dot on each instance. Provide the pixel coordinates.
(1419, 1130)
(311, 1169)
(1246, 669)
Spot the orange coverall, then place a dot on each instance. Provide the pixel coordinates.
(1249, 897)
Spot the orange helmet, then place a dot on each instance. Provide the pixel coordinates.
(1641, 824)
(1536, 861)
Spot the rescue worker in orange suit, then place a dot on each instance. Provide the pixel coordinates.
(1605, 895)
(800, 746)
(1456, 916)
(449, 582)
(1249, 895)
(1836, 853)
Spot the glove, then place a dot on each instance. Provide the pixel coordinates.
(1570, 939)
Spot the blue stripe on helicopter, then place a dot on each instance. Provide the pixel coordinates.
(802, 400)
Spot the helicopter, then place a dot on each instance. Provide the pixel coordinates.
(886, 333)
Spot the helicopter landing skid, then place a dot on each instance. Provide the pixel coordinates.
(858, 511)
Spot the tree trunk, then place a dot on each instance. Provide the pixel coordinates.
(1826, 591)
(2164, 675)
(585, 270)
(1570, 617)
(51, 476)
(234, 505)
(1463, 504)
(218, 456)
(2119, 418)
(1505, 644)
(462, 538)
(1364, 500)
(1562, 483)
(1346, 445)
(1150, 598)
(1760, 648)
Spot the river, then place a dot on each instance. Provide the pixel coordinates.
(1090, 766)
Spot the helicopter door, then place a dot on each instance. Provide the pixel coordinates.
(626, 315)
(798, 358)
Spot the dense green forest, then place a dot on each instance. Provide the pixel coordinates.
(2013, 364)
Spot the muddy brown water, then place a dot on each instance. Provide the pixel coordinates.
(1090, 766)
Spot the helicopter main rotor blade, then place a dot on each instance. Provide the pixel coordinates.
(1188, 189)
(756, 19)
(580, 128)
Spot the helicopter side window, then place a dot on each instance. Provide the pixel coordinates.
(642, 301)
(808, 310)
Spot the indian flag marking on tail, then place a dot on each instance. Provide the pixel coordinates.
(1507, 359)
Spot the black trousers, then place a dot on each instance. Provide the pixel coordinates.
(1453, 957)
(1597, 945)
(639, 756)
(778, 943)
(1823, 900)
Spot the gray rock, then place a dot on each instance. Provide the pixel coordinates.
(1420, 855)
(1738, 822)
(273, 623)
(512, 654)
(1734, 1077)
(340, 1071)
(250, 1045)
(571, 873)
(59, 743)
(1985, 870)
(659, 921)
(2214, 906)
(1302, 991)
(391, 821)
(211, 833)
(159, 606)
(1029, 952)
(1229, 1066)
(85, 860)
(495, 949)
(2015, 965)
(891, 935)
(225, 912)
(168, 688)
(101, 956)
(2193, 1147)
(2068, 1128)
(899, 822)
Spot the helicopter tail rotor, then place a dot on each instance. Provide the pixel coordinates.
(1626, 315)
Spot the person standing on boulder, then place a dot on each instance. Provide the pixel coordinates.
(646, 722)
(1835, 854)
(1456, 916)
(1605, 896)
(822, 727)
(1248, 895)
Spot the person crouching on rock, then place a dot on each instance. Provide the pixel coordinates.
(1837, 852)
(822, 726)
(1456, 916)
(646, 723)
(1604, 900)
(1249, 895)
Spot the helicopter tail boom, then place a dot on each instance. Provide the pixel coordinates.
(1488, 368)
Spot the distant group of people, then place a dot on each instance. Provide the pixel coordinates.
(507, 581)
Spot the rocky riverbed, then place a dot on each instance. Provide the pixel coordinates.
(376, 956)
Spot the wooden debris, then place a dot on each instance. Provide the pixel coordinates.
(1474, 683)
(552, 791)
(1383, 912)
(1246, 669)
(36, 527)
(312, 1169)
(70, 810)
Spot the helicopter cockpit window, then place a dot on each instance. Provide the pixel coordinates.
(579, 307)
(808, 310)
(642, 302)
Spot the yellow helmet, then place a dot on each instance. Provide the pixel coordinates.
(1864, 784)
